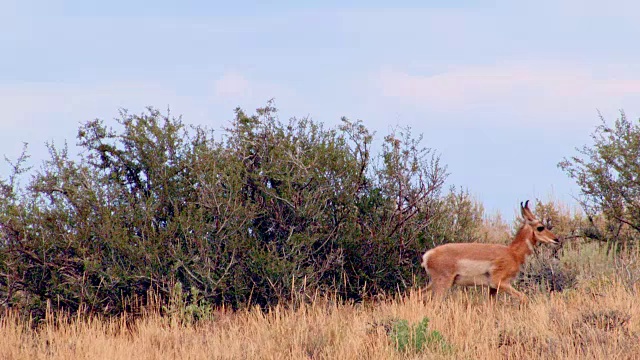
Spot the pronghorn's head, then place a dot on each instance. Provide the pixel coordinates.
(540, 232)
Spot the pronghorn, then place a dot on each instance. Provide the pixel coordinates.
(493, 265)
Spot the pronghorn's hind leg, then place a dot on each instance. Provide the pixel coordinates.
(440, 285)
(428, 288)
(424, 293)
(436, 289)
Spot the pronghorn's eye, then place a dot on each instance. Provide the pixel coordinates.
(540, 228)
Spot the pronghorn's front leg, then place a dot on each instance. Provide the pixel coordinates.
(506, 287)
(493, 292)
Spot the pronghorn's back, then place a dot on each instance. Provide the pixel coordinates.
(470, 264)
(472, 251)
(493, 265)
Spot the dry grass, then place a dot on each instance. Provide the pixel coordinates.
(597, 317)
(601, 321)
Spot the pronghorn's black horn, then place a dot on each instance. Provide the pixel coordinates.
(526, 204)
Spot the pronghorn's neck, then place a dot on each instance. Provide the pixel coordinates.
(522, 245)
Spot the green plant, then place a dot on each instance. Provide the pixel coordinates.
(608, 173)
(271, 211)
(416, 337)
(187, 308)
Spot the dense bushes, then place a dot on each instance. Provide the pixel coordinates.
(269, 210)
(608, 173)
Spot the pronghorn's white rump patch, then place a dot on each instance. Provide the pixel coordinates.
(473, 272)
(425, 258)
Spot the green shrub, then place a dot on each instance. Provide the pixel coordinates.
(416, 337)
(270, 211)
(607, 173)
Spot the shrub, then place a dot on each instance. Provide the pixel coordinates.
(416, 337)
(608, 174)
(269, 212)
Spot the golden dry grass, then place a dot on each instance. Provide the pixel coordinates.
(596, 322)
(597, 318)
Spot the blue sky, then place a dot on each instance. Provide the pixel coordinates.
(502, 90)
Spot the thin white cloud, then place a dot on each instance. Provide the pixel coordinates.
(538, 88)
(43, 112)
(39, 112)
(234, 86)
(619, 8)
(231, 84)
(44, 104)
(234, 89)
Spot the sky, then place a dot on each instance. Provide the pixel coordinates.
(502, 90)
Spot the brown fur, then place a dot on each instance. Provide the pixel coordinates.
(492, 265)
